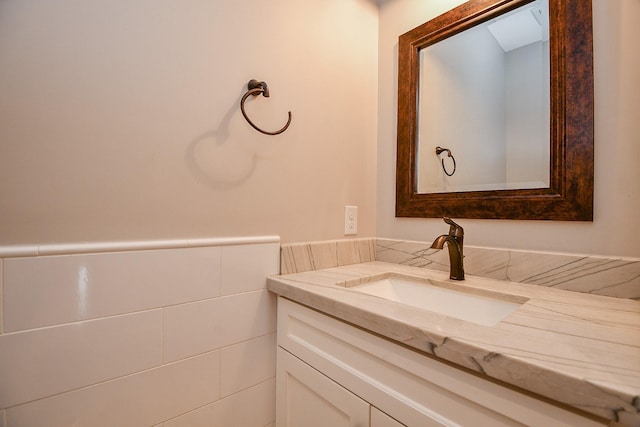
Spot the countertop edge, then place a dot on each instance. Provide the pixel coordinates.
(602, 400)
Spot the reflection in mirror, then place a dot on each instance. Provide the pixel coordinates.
(441, 145)
(484, 95)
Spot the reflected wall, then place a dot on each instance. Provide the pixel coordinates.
(484, 95)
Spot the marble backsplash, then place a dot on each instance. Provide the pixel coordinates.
(299, 257)
(609, 276)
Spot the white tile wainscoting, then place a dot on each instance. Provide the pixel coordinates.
(168, 334)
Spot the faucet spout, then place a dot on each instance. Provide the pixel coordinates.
(454, 241)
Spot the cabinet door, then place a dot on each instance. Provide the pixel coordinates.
(380, 419)
(307, 398)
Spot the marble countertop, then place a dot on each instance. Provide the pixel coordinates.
(579, 349)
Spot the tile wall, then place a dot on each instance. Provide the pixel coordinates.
(171, 336)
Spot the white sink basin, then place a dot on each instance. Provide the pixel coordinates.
(481, 309)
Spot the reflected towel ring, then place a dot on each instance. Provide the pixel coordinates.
(256, 88)
(439, 150)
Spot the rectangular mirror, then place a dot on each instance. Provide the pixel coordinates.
(495, 112)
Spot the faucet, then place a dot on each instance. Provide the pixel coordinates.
(454, 244)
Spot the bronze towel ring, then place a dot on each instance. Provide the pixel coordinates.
(439, 150)
(256, 88)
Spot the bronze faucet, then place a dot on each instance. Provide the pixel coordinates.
(454, 243)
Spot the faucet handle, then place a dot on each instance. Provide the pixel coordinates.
(454, 229)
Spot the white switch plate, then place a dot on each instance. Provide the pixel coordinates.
(350, 220)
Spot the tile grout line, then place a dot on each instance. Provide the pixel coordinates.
(94, 319)
(2, 302)
(110, 380)
(162, 334)
(163, 308)
(220, 399)
(219, 374)
(220, 289)
(145, 310)
(226, 346)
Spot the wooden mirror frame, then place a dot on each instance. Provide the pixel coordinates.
(570, 193)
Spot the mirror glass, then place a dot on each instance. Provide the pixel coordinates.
(494, 79)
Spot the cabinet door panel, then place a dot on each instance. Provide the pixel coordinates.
(307, 398)
(380, 419)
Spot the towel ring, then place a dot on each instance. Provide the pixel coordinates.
(439, 150)
(256, 88)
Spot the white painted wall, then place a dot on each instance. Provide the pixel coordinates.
(615, 229)
(120, 119)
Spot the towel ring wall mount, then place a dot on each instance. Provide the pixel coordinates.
(440, 150)
(256, 88)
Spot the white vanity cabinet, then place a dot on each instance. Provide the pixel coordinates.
(331, 373)
(310, 399)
